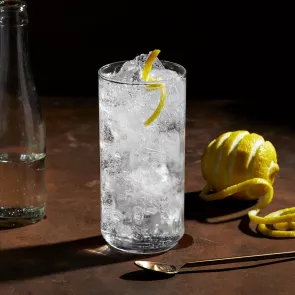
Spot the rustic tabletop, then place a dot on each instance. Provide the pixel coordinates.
(65, 253)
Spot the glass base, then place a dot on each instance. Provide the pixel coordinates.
(151, 245)
(17, 217)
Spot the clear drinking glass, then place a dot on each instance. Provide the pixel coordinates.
(142, 168)
(22, 131)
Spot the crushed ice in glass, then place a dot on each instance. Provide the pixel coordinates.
(131, 70)
(142, 191)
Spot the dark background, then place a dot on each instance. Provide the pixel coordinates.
(229, 52)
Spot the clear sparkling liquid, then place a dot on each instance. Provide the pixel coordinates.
(22, 189)
(142, 168)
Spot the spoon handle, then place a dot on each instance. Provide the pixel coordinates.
(240, 259)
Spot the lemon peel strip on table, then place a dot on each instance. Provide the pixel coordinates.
(145, 76)
(281, 220)
(238, 188)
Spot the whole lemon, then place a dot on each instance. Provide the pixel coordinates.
(243, 165)
(237, 156)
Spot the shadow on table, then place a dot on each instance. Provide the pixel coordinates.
(219, 211)
(29, 262)
(244, 227)
(142, 275)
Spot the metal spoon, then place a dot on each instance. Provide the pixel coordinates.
(171, 269)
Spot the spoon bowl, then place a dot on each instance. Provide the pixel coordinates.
(158, 267)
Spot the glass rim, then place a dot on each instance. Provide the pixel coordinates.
(114, 80)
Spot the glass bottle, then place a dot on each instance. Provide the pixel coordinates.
(22, 130)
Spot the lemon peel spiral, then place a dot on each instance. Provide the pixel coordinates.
(145, 76)
(243, 165)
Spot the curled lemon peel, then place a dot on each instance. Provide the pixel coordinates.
(145, 76)
(149, 64)
(281, 220)
(278, 224)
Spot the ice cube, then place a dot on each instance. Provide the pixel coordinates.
(167, 74)
(142, 59)
(106, 134)
(138, 216)
(131, 70)
(162, 172)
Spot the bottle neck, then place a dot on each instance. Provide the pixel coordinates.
(15, 74)
(13, 13)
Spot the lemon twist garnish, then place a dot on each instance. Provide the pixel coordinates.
(244, 166)
(145, 76)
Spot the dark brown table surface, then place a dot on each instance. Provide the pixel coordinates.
(65, 253)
